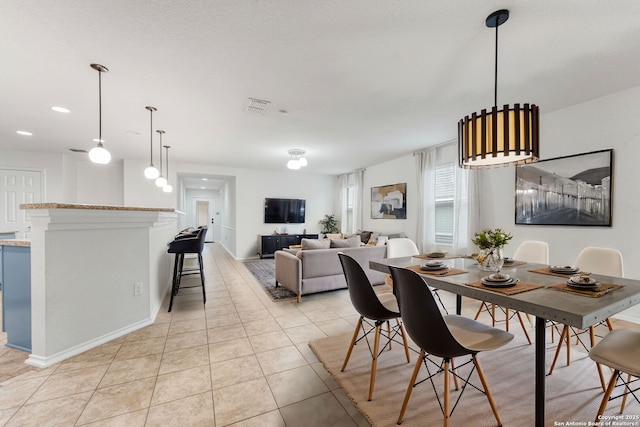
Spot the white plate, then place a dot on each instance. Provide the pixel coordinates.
(494, 278)
(590, 282)
(433, 268)
(590, 286)
(511, 282)
(563, 269)
(434, 263)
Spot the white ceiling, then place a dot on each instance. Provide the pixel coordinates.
(362, 81)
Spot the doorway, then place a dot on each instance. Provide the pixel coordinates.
(18, 187)
(203, 217)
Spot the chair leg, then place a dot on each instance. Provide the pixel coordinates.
(565, 332)
(353, 342)
(492, 403)
(446, 393)
(493, 315)
(592, 338)
(389, 333)
(455, 378)
(626, 390)
(609, 324)
(404, 339)
(506, 321)
(412, 381)
(607, 395)
(526, 334)
(174, 281)
(204, 294)
(374, 360)
(479, 311)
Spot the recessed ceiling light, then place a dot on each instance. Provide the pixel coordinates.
(97, 140)
(202, 188)
(60, 109)
(23, 132)
(204, 179)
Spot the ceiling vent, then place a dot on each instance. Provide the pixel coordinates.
(257, 106)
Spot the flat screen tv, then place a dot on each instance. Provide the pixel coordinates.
(284, 211)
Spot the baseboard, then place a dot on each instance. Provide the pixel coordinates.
(45, 362)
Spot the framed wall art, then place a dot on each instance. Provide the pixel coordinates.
(389, 201)
(570, 190)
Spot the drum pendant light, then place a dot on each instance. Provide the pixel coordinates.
(161, 180)
(167, 188)
(151, 172)
(499, 137)
(99, 154)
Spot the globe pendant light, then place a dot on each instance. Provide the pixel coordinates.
(99, 154)
(151, 172)
(167, 187)
(495, 137)
(161, 180)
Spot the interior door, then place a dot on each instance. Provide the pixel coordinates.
(203, 217)
(18, 187)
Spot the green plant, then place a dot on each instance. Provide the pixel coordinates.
(488, 238)
(329, 224)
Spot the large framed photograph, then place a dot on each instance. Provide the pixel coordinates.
(571, 190)
(389, 201)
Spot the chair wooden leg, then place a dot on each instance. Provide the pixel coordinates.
(607, 395)
(404, 340)
(353, 341)
(446, 393)
(493, 315)
(592, 338)
(506, 321)
(412, 381)
(389, 334)
(526, 334)
(565, 332)
(374, 361)
(479, 311)
(609, 324)
(492, 403)
(626, 390)
(455, 378)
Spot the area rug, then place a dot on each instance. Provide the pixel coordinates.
(573, 393)
(264, 271)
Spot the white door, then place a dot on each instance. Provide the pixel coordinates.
(18, 187)
(203, 217)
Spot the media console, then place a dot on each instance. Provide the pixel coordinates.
(269, 243)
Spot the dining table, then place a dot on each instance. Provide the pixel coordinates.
(541, 293)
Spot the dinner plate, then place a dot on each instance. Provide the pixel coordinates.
(496, 278)
(426, 267)
(436, 254)
(590, 282)
(590, 286)
(434, 263)
(509, 260)
(563, 269)
(511, 282)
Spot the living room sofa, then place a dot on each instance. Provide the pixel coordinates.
(306, 271)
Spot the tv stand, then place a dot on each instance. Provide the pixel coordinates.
(269, 243)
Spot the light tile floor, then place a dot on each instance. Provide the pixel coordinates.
(239, 360)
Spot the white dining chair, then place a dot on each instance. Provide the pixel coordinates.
(533, 251)
(597, 260)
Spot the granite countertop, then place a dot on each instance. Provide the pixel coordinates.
(92, 207)
(15, 242)
(8, 232)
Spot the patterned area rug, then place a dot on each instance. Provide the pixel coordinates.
(264, 271)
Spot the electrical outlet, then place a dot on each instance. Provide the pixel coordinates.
(137, 288)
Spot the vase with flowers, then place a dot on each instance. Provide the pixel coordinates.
(491, 242)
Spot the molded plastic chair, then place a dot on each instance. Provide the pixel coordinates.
(605, 261)
(619, 350)
(187, 243)
(378, 309)
(446, 337)
(533, 251)
(401, 247)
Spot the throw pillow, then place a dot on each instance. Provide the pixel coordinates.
(374, 237)
(315, 243)
(353, 242)
(382, 240)
(334, 236)
(364, 236)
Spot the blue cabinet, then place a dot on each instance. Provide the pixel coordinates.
(15, 275)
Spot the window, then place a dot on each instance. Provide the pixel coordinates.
(350, 196)
(445, 190)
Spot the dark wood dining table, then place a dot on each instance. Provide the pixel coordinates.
(545, 302)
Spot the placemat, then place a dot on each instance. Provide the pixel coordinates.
(547, 270)
(517, 289)
(446, 256)
(440, 273)
(514, 264)
(603, 289)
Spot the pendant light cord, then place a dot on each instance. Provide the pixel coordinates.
(99, 107)
(151, 133)
(495, 79)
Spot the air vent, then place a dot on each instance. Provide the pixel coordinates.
(78, 150)
(257, 106)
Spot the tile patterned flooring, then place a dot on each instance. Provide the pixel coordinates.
(240, 360)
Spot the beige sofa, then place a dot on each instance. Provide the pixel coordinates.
(317, 270)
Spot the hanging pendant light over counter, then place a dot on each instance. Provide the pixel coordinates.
(99, 154)
(167, 188)
(495, 137)
(151, 172)
(161, 181)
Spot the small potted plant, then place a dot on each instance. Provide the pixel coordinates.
(329, 224)
(491, 243)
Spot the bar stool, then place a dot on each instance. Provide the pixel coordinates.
(186, 243)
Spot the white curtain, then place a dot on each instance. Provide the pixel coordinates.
(466, 210)
(426, 170)
(358, 193)
(343, 182)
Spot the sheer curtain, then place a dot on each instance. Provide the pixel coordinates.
(426, 171)
(466, 210)
(343, 184)
(358, 177)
